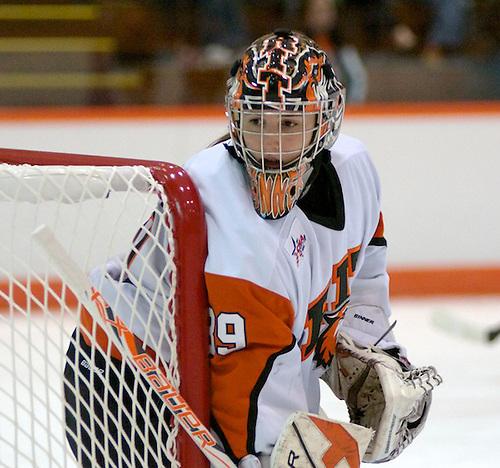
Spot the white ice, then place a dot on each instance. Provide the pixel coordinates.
(463, 428)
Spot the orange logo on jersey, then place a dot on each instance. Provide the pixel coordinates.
(325, 316)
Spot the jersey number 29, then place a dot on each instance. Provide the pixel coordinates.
(228, 329)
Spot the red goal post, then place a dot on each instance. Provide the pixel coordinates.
(19, 296)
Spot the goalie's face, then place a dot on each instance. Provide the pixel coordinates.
(277, 147)
(273, 140)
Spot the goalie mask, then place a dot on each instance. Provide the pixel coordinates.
(284, 105)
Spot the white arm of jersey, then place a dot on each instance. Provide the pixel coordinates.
(367, 317)
(141, 309)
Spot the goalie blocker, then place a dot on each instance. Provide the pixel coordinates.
(311, 441)
(382, 392)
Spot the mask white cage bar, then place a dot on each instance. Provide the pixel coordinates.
(95, 206)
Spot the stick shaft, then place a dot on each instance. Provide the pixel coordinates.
(129, 346)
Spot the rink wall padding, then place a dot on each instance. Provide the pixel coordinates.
(415, 282)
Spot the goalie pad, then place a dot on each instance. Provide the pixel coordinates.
(383, 393)
(309, 441)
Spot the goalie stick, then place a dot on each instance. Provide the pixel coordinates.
(129, 346)
(456, 325)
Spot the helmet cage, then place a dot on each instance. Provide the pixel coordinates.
(318, 127)
(284, 105)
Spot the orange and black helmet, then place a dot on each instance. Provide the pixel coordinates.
(283, 73)
(284, 65)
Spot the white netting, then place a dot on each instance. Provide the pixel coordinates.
(95, 212)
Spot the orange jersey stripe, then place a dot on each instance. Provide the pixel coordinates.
(379, 233)
(378, 238)
(237, 377)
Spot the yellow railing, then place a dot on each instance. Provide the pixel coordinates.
(49, 12)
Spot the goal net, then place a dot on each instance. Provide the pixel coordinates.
(67, 396)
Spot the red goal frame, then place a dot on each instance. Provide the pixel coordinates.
(191, 298)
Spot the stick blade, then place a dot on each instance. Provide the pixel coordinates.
(455, 325)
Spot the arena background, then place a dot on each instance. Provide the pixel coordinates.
(137, 79)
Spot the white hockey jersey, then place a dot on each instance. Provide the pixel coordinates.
(278, 290)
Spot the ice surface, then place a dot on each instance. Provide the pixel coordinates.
(463, 429)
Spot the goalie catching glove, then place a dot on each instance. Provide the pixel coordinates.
(382, 392)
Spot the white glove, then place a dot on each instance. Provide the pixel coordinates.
(383, 393)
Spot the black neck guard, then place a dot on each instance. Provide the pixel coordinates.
(323, 201)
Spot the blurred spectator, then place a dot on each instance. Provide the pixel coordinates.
(366, 23)
(321, 21)
(180, 22)
(222, 29)
(209, 30)
(432, 27)
(448, 28)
